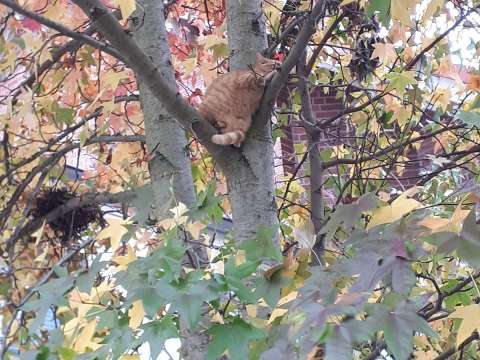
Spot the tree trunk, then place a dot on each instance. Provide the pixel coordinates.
(251, 182)
(170, 168)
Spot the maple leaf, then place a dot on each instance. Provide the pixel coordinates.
(157, 332)
(398, 32)
(400, 81)
(136, 314)
(233, 337)
(471, 118)
(399, 207)
(31, 25)
(432, 9)
(385, 52)
(262, 246)
(442, 98)
(401, 10)
(473, 82)
(470, 316)
(115, 231)
(127, 7)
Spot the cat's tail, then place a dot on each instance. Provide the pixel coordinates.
(229, 138)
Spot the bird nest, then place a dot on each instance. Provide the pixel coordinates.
(71, 223)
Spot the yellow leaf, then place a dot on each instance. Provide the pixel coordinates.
(454, 224)
(401, 10)
(41, 258)
(195, 229)
(432, 8)
(189, 65)
(127, 7)
(207, 74)
(178, 217)
(129, 357)
(55, 12)
(385, 52)
(124, 260)
(136, 314)
(212, 40)
(339, 151)
(398, 32)
(346, 2)
(113, 78)
(216, 317)
(252, 311)
(83, 339)
(470, 316)
(286, 299)
(276, 313)
(425, 355)
(399, 207)
(273, 13)
(240, 258)
(442, 97)
(434, 223)
(114, 231)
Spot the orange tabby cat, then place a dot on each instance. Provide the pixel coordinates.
(232, 99)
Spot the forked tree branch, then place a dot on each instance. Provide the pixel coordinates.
(279, 80)
(160, 87)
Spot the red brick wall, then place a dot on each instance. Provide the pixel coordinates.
(325, 106)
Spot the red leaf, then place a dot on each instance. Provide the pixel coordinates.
(31, 25)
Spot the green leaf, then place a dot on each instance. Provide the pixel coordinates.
(85, 280)
(475, 103)
(187, 297)
(269, 290)
(51, 293)
(106, 319)
(142, 203)
(339, 345)
(84, 136)
(234, 338)
(119, 339)
(234, 275)
(66, 354)
(400, 81)
(470, 118)
(207, 205)
(64, 116)
(43, 353)
(467, 243)
(347, 215)
(262, 247)
(383, 8)
(469, 248)
(399, 324)
(157, 332)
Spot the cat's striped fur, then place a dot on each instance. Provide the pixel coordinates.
(232, 99)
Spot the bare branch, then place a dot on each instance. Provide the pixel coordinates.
(62, 29)
(447, 354)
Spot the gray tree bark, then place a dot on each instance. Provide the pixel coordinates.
(166, 140)
(251, 181)
(315, 162)
(170, 168)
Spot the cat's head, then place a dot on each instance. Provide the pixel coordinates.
(264, 66)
